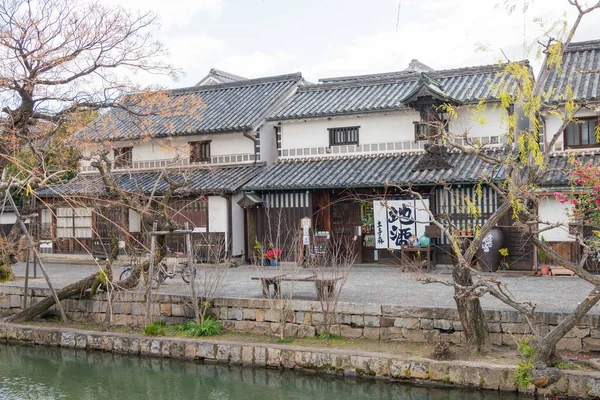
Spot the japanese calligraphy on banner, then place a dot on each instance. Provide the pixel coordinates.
(398, 220)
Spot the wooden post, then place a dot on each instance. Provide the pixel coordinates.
(150, 276)
(190, 262)
(26, 286)
(37, 256)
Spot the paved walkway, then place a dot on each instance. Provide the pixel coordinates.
(366, 284)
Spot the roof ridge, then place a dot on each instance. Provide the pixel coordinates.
(583, 45)
(400, 76)
(226, 74)
(242, 83)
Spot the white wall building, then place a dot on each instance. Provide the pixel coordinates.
(214, 134)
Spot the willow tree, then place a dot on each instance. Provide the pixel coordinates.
(61, 62)
(519, 173)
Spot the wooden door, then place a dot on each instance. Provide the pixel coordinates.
(345, 221)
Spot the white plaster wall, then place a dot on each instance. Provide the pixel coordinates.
(8, 218)
(237, 236)
(387, 127)
(268, 143)
(374, 128)
(552, 211)
(135, 224)
(221, 144)
(490, 122)
(217, 214)
(553, 123)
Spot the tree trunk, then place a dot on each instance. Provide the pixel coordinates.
(470, 312)
(78, 288)
(73, 289)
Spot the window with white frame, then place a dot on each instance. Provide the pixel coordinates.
(74, 222)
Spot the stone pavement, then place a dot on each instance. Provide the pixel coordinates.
(366, 284)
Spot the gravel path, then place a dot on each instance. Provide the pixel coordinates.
(366, 284)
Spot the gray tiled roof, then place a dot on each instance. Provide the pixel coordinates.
(557, 172)
(225, 107)
(222, 76)
(386, 92)
(366, 171)
(210, 180)
(578, 56)
(379, 170)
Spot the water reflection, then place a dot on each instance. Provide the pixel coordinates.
(42, 373)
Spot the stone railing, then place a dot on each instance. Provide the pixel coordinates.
(353, 320)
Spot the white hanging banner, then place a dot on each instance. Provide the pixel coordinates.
(398, 220)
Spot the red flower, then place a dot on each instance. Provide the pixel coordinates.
(273, 254)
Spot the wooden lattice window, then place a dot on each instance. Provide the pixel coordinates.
(340, 136)
(582, 133)
(123, 157)
(200, 151)
(74, 222)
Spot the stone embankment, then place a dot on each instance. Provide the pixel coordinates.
(330, 361)
(353, 320)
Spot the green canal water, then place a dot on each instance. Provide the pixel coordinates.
(40, 373)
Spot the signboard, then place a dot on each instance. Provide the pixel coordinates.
(398, 220)
(305, 223)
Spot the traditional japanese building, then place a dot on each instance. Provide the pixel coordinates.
(215, 135)
(348, 144)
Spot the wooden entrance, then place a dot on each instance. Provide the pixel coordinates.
(345, 222)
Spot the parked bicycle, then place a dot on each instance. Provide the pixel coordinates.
(162, 270)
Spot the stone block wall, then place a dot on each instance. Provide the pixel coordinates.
(347, 363)
(353, 320)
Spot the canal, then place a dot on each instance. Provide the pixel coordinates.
(41, 373)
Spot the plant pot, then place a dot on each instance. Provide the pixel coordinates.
(273, 263)
(545, 269)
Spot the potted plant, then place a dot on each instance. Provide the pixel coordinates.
(504, 263)
(542, 258)
(273, 255)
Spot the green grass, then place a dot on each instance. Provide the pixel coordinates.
(156, 328)
(332, 336)
(525, 349)
(285, 340)
(568, 365)
(210, 327)
(522, 374)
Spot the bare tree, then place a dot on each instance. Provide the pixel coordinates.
(61, 62)
(213, 263)
(331, 268)
(522, 169)
(280, 243)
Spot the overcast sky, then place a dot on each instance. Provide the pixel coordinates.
(327, 38)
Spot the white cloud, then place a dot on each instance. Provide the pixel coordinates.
(446, 35)
(172, 13)
(255, 64)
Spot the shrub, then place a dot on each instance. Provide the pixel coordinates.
(522, 374)
(210, 327)
(156, 328)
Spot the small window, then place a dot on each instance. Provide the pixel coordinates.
(200, 152)
(339, 136)
(123, 157)
(581, 134)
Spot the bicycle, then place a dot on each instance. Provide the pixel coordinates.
(163, 271)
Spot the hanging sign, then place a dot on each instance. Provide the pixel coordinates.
(398, 220)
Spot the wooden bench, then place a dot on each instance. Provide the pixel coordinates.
(423, 255)
(325, 286)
